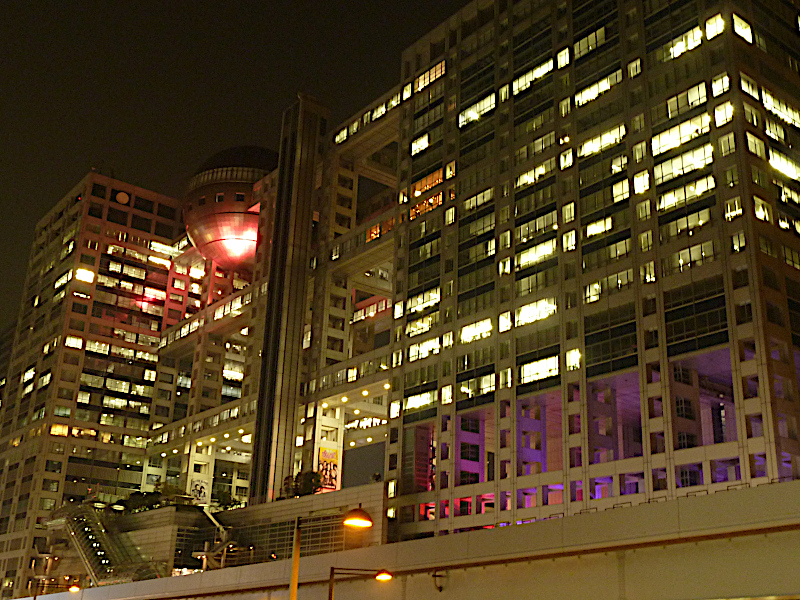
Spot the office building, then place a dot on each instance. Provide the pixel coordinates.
(592, 263)
(555, 270)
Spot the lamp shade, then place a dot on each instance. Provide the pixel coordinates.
(357, 518)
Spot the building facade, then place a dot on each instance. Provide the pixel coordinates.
(591, 260)
(555, 270)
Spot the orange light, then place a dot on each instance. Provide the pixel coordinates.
(383, 575)
(76, 588)
(357, 518)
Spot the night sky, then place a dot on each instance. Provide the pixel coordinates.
(145, 91)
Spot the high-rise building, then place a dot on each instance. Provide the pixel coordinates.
(585, 293)
(555, 270)
(77, 398)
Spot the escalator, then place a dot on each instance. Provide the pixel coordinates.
(107, 555)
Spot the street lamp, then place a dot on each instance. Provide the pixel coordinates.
(58, 587)
(356, 518)
(382, 575)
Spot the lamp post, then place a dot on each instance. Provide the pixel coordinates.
(382, 575)
(58, 587)
(356, 518)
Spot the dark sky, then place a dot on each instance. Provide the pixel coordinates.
(147, 90)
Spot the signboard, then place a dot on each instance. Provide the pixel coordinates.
(329, 468)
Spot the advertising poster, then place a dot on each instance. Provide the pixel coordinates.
(329, 468)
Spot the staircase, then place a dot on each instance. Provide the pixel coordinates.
(107, 556)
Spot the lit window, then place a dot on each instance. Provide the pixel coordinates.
(646, 240)
(535, 311)
(522, 83)
(643, 210)
(783, 164)
(598, 227)
(568, 212)
(751, 115)
(605, 140)
(755, 145)
(720, 84)
(419, 144)
(504, 322)
(680, 134)
(84, 275)
(476, 331)
(685, 193)
(597, 89)
(749, 86)
(775, 131)
(573, 359)
(477, 200)
(634, 68)
(781, 109)
(564, 107)
(727, 144)
(477, 110)
(569, 241)
(565, 160)
(733, 208)
(73, 342)
(447, 394)
(504, 93)
(429, 76)
(563, 58)
(647, 272)
(641, 182)
(423, 300)
(639, 152)
(742, 28)
(450, 215)
(419, 400)
(592, 41)
(762, 209)
(738, 241)
(723, 114)
(536, 254)
(536, 173)
(714, 26)
(684, 163)
(538, 369)
(424, 349)
(680, 45)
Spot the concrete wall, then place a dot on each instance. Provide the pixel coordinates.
(737, 544)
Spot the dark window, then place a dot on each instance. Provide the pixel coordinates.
(392, 461)
(684, 408)
(50, 485)
(740, 278)
(99, 190)
(470, 425)
(219, 197)
(80, 308)
(117, 216)
(95, 210)
(471, 452)
(142, 204)
(166, 211)
(141, 223)
(163, 230)
(52, 466)
(174, 314)
(240, 197)
(200, 202)
(465, 478)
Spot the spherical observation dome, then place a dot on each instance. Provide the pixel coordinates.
(218, 209)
